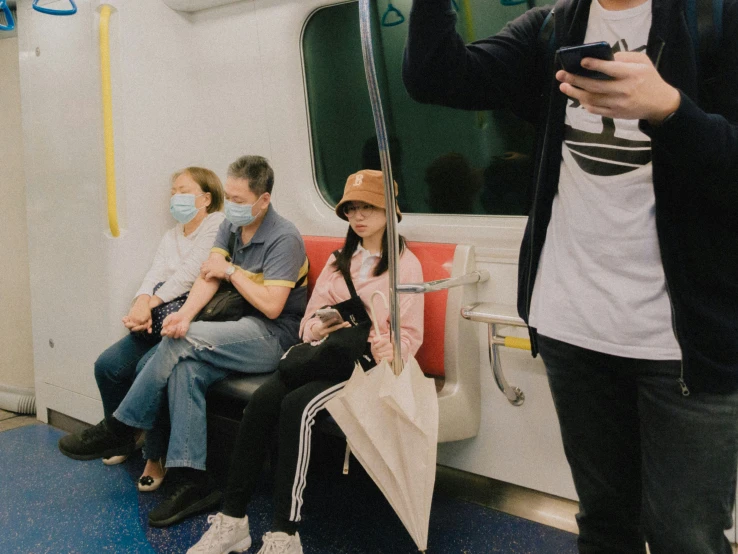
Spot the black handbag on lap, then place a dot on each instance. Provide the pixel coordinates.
(332, 358)
(227, 304)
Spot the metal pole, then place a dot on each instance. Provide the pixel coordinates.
(393, 241)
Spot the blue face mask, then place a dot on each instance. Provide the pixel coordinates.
(240, 214)
(182, 207)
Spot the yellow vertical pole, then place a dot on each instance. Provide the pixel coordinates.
(107, 105)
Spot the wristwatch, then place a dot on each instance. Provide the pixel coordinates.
(230, 271)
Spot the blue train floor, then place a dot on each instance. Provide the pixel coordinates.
(53, 504)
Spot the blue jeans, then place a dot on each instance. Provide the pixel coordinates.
(649, 464)
(184, 368)
(115, 371)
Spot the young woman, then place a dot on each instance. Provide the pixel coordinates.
(364, 255)
(196, 203)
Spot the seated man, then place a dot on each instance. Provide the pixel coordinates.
(268, 267)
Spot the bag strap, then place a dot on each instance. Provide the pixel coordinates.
(231, 245)
(705, 21)
(302, 279)
(347, 278)
(546, 35)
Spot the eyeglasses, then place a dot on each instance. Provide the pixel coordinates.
(365, 210)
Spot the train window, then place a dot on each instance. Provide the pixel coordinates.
(446, 161)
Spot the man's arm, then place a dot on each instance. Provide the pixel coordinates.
(281, 270)
(498, 71)
(177, 324)
(268, 299)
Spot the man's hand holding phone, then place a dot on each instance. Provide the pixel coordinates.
(634, 89)
(571, 59)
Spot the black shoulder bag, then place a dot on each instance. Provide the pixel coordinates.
(332, 358)
(227, 304)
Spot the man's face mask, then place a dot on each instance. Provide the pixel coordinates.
(240, 214)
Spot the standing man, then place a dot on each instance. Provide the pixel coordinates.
(628, 272)
(268, 266)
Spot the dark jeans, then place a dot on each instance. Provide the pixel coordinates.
(115, 370)
(117, 367)
(649, 464)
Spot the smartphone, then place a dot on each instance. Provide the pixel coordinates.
(329, 315)
(571, 58)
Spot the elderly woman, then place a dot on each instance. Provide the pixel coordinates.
(196, 203)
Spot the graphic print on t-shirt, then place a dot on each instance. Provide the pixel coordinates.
(609, 150)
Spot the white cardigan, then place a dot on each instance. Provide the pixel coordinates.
(178, 258)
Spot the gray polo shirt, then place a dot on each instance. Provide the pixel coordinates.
(274, 256)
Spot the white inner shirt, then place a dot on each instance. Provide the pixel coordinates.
(600, 283)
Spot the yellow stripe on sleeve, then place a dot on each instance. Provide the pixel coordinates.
(288, 284)
(217, 250)
(257, 278)
(303, 272)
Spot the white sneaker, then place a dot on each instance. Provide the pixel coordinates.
(281, 543)
(226, 534)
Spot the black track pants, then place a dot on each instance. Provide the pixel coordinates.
(294, 411)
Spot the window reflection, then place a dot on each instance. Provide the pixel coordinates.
(446, 161)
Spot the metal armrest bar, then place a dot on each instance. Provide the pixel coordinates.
(441, 284)
(483, 313)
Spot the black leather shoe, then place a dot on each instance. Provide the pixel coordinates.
(96, 442)
(187, 498)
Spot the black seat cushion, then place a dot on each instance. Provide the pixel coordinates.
(228, 398)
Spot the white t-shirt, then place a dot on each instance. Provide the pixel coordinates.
(600, 282)
(179, 257)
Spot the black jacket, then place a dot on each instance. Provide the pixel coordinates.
(694, 154)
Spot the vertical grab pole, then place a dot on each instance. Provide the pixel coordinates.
(107, 105)
(393, 241)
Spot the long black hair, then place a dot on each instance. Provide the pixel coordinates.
(342, 262)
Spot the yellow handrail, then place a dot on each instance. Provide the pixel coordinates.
(107, 105)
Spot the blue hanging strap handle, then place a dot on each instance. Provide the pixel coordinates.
(41, 9)
(392, 12)
(9, 21)
(456, 5)
(513, 2)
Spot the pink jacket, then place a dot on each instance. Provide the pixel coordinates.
(331, 289)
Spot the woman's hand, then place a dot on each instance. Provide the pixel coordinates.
(139, 316)
(135, 327)
(323, 330)
(382, 348)
(175, 326)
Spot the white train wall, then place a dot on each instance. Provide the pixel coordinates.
(16, 362)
